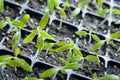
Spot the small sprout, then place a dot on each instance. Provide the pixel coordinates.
(103, 11)
(3, 24)
(66, 4)
(79, 8)
(16, 39)
(44, 21)
(106, 77)
(98, 45)
(50, 6)
(118, 50)
(1, 5)
(100, 3)
(50, 72)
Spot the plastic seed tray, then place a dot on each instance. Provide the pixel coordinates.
(86, 20)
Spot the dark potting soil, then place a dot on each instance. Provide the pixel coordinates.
(89, 68)
(113, 68)
(52, 58)
(19, 1)
(3, 32)
(33, 23)
(66, 31)
(40, 5)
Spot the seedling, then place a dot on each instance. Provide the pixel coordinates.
(14, 61)
(109, 13)
(79, 7)
(17, 26)
(90, 34)
(41, 34)
(106, 77)
(108, 39)
(1, 5)
(54, 3)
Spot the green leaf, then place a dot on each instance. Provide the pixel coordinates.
(66, 4)
(16, 23)
(118, 49)
(40, 42)
(81, 33)
(75, 12)
(95, 76)
(3, 24)
(118, 22)
(31, 78)
(55, 3)
(62, 13)
(115, 35)
(73, 66)
(110, 77)
(46, 35)
(116, 11)
(44, 21)
(111, 43)
(60, 43)
(100, 3)
(104, 11)
(78, 52)
(1, 5)
(98, 44)
(75, 59)
(16, 39)
(49, 72)
(13, 63)
(96, 38)
(62, 59)
(24, 20)
(5, 58)
(92, 58)
(50, 6)
(30, 36)
(61, 49)
(24, 65)
(17, 51)
(84, 3)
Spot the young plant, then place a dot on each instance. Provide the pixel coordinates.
(106, 77)
(109, 13)
(17, 26)
(54, 3)
(40, 33)
(108, 39)
(73, 60)
(90, 34)
(1, 5)
(14, 61)
(79, 8)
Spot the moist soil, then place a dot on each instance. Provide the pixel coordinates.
(63, 34)
(39, 5)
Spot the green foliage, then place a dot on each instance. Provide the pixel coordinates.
(98, 45)
(50, 72)
(1, 5)
(31, 78)
(100, 3)
(44, 21)
(103, 11)
(76, 11)
(15, 61)
(106, 77)
(118, 50)
(3, 24)
(30, 36)
(16, 39)
(115, 35)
